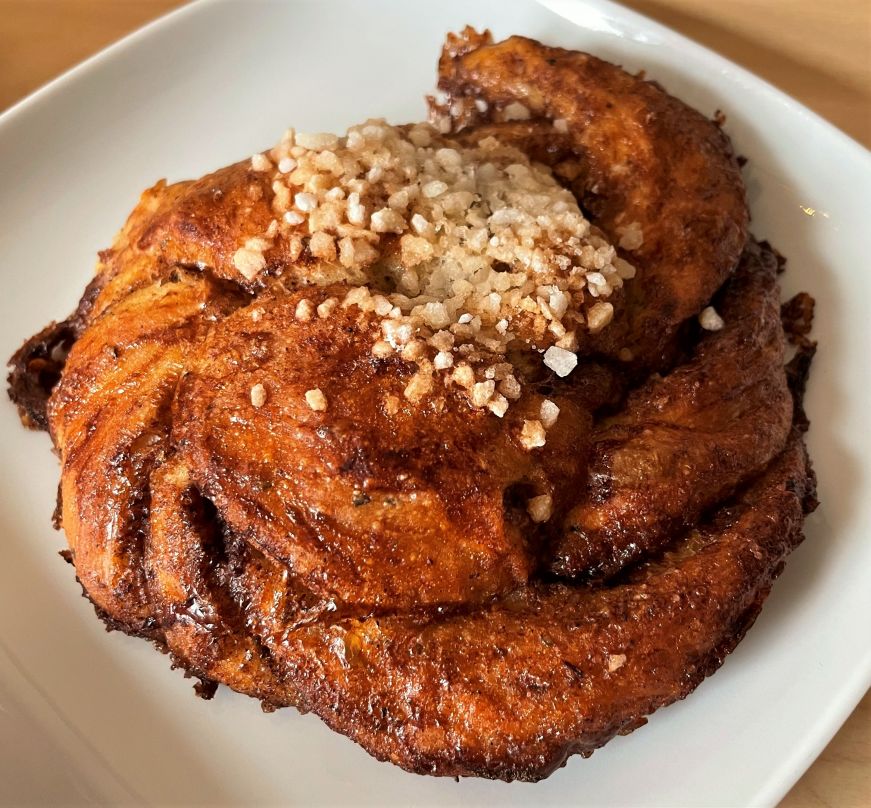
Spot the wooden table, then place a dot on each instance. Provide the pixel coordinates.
(818, 52)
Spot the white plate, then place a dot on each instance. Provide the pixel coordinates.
(89, 716)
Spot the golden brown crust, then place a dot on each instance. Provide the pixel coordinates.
(365, 506)
(109, 421)
(190, 579)
(374, 559)
(632, 154)
(512, 690)
(684, 442)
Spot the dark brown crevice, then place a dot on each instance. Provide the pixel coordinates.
(797, 373)
(36, 369)
(797, 316)
(221, 564)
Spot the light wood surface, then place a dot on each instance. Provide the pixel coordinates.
(817, 51)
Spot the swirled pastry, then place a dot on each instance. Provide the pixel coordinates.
(475, 437)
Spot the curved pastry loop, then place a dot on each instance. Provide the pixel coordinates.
(110, 422)
(685, 442)
(189, 572)
(648, 167)
(374, 501)
(511, 690)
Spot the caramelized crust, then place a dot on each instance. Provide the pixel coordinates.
(109, 419)
(632, 154)
(684, 442)
(379, 507)
(255, 489)
(512, 690)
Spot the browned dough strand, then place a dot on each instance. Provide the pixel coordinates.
(382, 510)
(109, 418)
(512, 690)
(684, 442)
(632, 154)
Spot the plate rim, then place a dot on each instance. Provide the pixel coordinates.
(616, 10)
